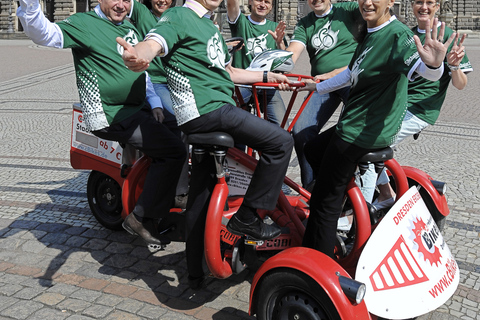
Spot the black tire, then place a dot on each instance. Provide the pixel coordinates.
(105, 200)
(289, 294)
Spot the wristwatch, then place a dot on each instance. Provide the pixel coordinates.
(265, 76)
(453, 68)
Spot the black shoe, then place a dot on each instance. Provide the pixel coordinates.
(146, 231)
(196, 283)
(257, 229)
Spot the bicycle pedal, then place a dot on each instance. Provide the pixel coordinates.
(253, 242)
(155, 247)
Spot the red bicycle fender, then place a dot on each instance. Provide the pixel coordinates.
(83, 161)
(423, 179)
(321, 269)
(130, 184)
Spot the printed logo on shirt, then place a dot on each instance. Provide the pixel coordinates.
(256, 45)
(325, 38)
(215, 52)
(131, 38)
(356, 67)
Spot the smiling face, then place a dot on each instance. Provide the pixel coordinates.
(375, 12)
(319, 6)
(260, 8)
(159, 6)
(424, 10)
(210, 4)
(115, 10)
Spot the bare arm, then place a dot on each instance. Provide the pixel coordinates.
(454, 58)
(233, 9)
(138, 58)
(242, 76)
(328, 75)
(297, 49)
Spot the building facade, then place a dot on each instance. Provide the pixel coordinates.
(462, 15)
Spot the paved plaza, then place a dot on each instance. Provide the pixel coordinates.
(57, 262)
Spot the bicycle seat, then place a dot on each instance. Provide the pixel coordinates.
(211, 139)
(376, 157)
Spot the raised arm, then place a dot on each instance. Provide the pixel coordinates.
(454, 58)
(37, 27)
(279, 34)
(433, 51)
(233, 9)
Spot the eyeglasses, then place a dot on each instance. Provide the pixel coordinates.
(430, 4)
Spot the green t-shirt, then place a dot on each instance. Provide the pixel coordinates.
(329, 40)
(144, 20)
(380, 68)
(195, 63)
(425, 97)
(109, 92)
(256, 37)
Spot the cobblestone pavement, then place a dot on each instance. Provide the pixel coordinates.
(57, 262)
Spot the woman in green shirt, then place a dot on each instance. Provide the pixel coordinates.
(378, 74)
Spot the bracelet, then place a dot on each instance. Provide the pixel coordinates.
(453, 68)
(265, 76)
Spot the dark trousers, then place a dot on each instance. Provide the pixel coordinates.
(275, 145)
(334, 162)
(168, 155)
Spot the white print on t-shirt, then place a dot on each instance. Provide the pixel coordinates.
(215, 52)
(256, 45)
(325, 38)
(131, 38)
(356, 67)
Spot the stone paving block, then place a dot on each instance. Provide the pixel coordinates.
(97, 311)
(50, 314)
(86, 295)
(121, 315)
(22, 309)
(50, 298)
(131, 305)
(6, 302)
(152, 312)
(73, 305)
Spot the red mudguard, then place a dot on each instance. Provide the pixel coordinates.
(424, 180)
(321, 269)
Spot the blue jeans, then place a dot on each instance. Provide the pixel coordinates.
(275, 106)
(315, 115)
(170, 121)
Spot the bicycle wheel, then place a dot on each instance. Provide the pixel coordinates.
(289, 294)
(104, 196)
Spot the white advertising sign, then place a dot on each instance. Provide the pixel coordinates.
(240, 177)
(87, 142)
(406, 265)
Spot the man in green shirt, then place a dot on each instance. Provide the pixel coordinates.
(113, 100)
(328, 36)
(199, 77)
(259, 34)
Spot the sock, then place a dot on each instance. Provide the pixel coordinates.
(246, 214)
